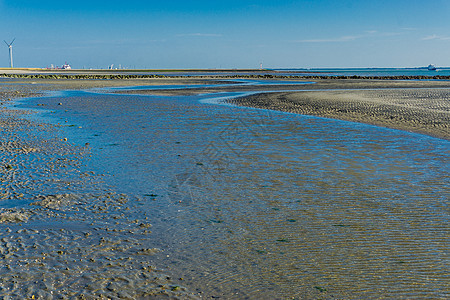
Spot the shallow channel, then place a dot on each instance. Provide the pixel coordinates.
(248, 203)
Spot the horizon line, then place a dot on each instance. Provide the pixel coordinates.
(212, 68)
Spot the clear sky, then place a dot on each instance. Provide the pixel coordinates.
(226, 33)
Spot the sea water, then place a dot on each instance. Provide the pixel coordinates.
(262, 204)
(367, 71)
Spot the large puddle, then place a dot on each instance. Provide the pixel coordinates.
(261, 204)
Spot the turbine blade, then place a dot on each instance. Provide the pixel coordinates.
(6, 43)
(13, 41)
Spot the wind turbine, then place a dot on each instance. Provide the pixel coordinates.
(10, 51)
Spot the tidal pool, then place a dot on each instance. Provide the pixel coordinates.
(248, 203)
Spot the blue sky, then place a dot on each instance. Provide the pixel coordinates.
(226, 34)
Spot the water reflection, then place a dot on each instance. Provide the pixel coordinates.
(261, 204)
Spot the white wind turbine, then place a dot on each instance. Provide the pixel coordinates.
(10, 51)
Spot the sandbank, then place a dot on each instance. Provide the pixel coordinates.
(425, 111)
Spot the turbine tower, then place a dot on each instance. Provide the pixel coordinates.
(10, 51)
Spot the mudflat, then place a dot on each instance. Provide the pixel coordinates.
(55, 237)
(64, 231)
(410, 105)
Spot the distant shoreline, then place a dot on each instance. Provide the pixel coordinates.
(419, 106)
(95, 75)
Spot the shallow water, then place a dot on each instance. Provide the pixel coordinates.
(260, 204)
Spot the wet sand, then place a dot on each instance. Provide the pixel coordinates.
(72, 235)
(63, 232)
(410, 105)
(284, 85)
(425, 111)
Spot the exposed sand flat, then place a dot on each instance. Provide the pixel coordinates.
(284, 85)
(49, 84)
(424, 111)
(80, 238)
(53, 237)
(411, 105)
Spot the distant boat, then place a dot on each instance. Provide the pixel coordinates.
(431, 68)
(66, 66)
